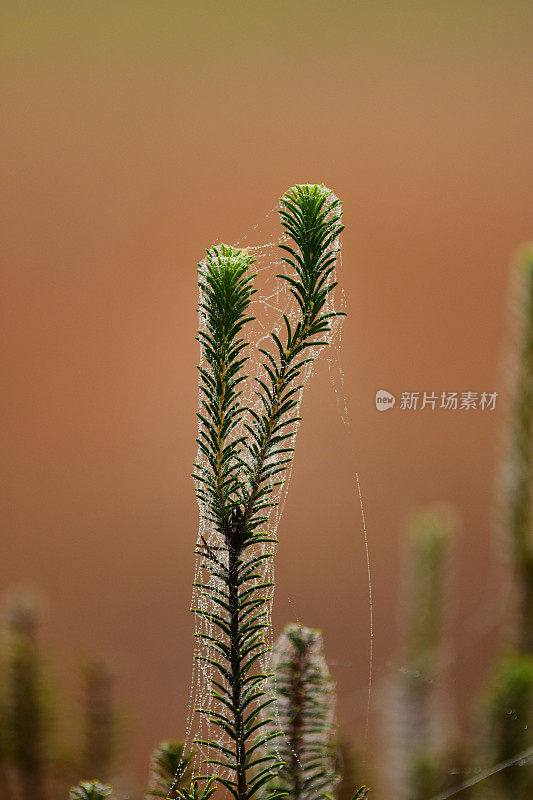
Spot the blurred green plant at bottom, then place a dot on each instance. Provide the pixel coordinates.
(507, 728)
(415, 759)
(506, 717)
(90, 790)
(39, 759)
(518, 478)
(171, 770)
(27, 707)
(305, 703)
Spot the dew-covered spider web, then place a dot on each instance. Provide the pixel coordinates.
(271, 301)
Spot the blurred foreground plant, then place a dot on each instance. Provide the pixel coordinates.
(417, 748)
(90, 790)
(171, 770)
(506, 724)
(27, 721)
(506, 719)
(520, 462)
(34, 764)
(306, 700)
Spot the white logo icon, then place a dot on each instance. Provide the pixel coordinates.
(384, 400)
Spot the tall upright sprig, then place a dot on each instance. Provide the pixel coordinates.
(234, 617)
(226, 289)
(311, 218)
(306, 700)
(243, 452)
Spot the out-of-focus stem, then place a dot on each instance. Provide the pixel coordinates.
(418, 746)
(26, 716)
(520, 467)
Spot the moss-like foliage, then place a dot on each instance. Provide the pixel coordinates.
(243, 455)
(508, 722)
(306, 699)
(171, 770)
(90, 790)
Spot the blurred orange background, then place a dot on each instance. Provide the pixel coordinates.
(135, 135)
